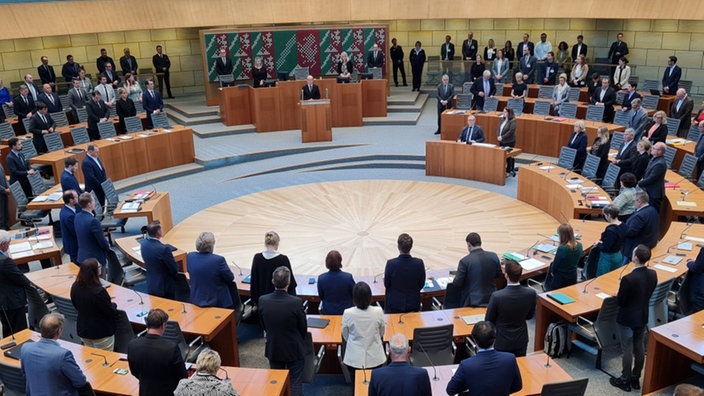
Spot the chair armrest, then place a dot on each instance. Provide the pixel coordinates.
(436, 304)
(319, 358)
(142, 333)
(305, 306)
(198, 341)
(378, 304)
(472, 348)
(585, 324)
(534, 284)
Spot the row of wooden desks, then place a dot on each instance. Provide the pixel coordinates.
(467, 161)
(39, 246)
(104, 380)
(216, 325)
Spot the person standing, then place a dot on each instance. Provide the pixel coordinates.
(159, 262)
(447, 49)
(671, 76)
(477, 273)
(4, 200)
(375, 57)
(19, 166)
(611, 242)
(618, 49)
(128, 63)
(396, 52)
(363, 329)
(263, 266)
(404, 278)
(67, 218)
(335, 286)
(417, 60)
(162, 65)
(89, 233)
(285, 324)
(563, 269)
(445, 93)
(12, 296)
(94, 172)
(209, 274)
(642, 228)
(46, 73)
(310, 90)
(632, 318)
(152, 103)
(469, 47)
(97, 315)
(653, 181)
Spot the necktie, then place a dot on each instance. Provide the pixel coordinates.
(80, 97)
(574, 138)
(623, 149)
(51, 99)
(469, 135)
(445, 89)
(679, 104)
(21, 157)
(25, 100)
(107, 95)
(486, 88)
(42, 117)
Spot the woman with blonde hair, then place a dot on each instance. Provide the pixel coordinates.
(263, 266)
(600, 148)
(656, 130)
(205, 381)
(133, 89)
(563, 269)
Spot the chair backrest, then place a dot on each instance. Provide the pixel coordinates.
(687, 85)
(574, 94)
(53, 141)
(123, 332)
(145, 70)
(611, 176)
(673, 125)
(37, 183)
(567, 156)
(18, 194)
(650, 102)
(684, 302)
(106, 130)
(183, 289)
(301, 73)
(159, 120)
(693, 133)
(576, 387)
(133, 124)
(464, 101)
(545, 92)
(605, 325)
(568, 110)
(491, 104)
(453, 297)
(466, 87)
(595, 113)
(657, 306)
(621, 118)
(13, 378)
(6, 131)
(499, 88)
(36, 308)
(670, 156)
(174, 334)
(66, 308)
(28, 149)
(27, 122)
(112, 111)
(541, 107)
(619, 97)
(688, 166)
(516, 104)
(432, 344)
(651, 84)
(700, 181)
(116, 274)
(616, 141)
(138, 107)
(111, 195)
(59, 118)
(376, 73)
(82, 114)
(64, 101)
(591, 165)
(9, 111)
(80, 135)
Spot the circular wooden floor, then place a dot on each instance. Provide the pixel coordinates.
(362, 219)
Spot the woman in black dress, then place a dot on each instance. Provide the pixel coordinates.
(263, 266)
(125, 108)
(258, 73)
(97, 315)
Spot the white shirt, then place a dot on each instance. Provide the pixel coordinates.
(363, 330)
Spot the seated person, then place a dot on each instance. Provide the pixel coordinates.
(471, 133)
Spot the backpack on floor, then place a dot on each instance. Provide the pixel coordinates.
(556, 342)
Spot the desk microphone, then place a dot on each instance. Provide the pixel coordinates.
(105, 359)
(689, 225)
(12, 333)
(675, 245)
(227, 377)
(587, 284)
(141, 302)
(238, 267)
(547, 364)
(400, 317)
(535, 251)
(547, 237)
(326, 94)
(376, 276)
(184, 308)
(566, 174)
(302, 93)
(622, 271)
(435, 373)
(676, 184)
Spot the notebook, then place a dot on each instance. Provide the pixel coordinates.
(14, 352)
(561, 298)
(318, 323)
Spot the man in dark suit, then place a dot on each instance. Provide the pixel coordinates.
(489, 372)
(94, 172)
(67, 217)
(483, 88)
(50, 99)
(46, 72)
(77, 98)
(469, 48)
(151, 102)
(159, 261)
(472, 132)
(42, 124)
(671, 76)
(580, 48)
(508, 310)
(642, 228)
(162, 64)
(128, 63)
(375, 57)
(477, 273)
(396, 52)
(12, 296)
(157, 363)
(34, 91)
(446, 92)
(89, 233)
(18, 166)
(223, 66)
(70, 69)
(653, 181)
(547, 75)
(605, 96)
(681, 109)
(417, 61)
(102, 60)
(68, 176)
(447, 49)
(23, 105)
(630, 96)
(4, 194)
(527, 65)
(632, 299)
(386, 380)
(285, 324)
(526, 43)
(310, 90)
(112, 77)
(618, 50)
(404, 278)
(97, 112)
(627, 153)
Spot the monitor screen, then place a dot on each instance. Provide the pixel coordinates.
(366, 76)
(343, 80)
(282, 75)
(269, 83)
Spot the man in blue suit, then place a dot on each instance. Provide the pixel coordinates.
(94, 172)
(399, 378)
(489, 372)
(653, 181)
(637, 118)
(67, 218)
(160, 263)
(89, 233)
(68, 176)
(49, 368)
(671, 76)
(643, 227)
(471, 133)
(152, 103)
(210, 275)
(404, 278)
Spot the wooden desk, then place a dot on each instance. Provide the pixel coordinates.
(266, 108)
(316, 121)
(683, 146)
(467, 161)
(672, 348)
(47, 236)
(374, 98)
(216, 325)
(47, 204)
(158, 207)
(677, 203)
(132, 249)
(235, 108)
(347, 105)
(257, 382)
(532, 367)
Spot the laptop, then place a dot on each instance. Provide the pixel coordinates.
(655, 92)
(14, 352)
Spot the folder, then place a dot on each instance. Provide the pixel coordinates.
(561, 298)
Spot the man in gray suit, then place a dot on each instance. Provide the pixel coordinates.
(637, 118)
(77, 98)
(477, 273)
(445, 93)
(681, 109)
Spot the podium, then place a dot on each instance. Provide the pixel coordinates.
(266, 109)
(316, 121)
(234, 105)
(467, 161)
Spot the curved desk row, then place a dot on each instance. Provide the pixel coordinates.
(467, 161)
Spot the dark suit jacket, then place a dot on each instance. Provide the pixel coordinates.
(478, 86)
(67, 219)
(223, 68)
(417, 60)
(620, 48)
(628, 158)
(150, 104)
(100, 63)
(114, 78)
(335, 291)
(447, 50)
(508, 310)
(311, 93)
(91, 241)
(477, 134)
(161, 268)
(609, 101)
(488, 373)
(627, 99)
(528, 69)
(580, 144)
(36, 129)
(469, 49)
(18, 171)
(548, 70)
(69, 182)
(684, 114)
(641, 227)
(55, 107)
(21, 109)
(671, 81)
(443, 95)
(93, 176)
(476, 276)
(653, 181)
(582, 52)
(161, 62)
(70, 71)
(377, 61)
(508, 134)
(12, 284)
(210, 277)
(349, 65)
(95, 112)
(386, 381)
(660, 134)
(125, 66)
(637, 121)
(97, 315)
(261, 272)
(157, 363)
(47, 76)
(285, 324)
(125, 108)
(404, 277)
(633, 296)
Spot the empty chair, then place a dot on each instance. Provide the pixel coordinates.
(28, 149)
(159, 120)
(138, 107)
(53, 141)
(594, 336)
(82, 114)
(64, 102)
(650, 102)
(128, 275)
(567, 156)
(700, 181)
(123, 332)
(687, 85)
(616, 141)
(610, 178)
(36, 307)
(657, 306)
(27, 124)
(693, 133)
(189, 351)
(6, 131)
(183, 289)
(80, 135)
(679, 303)
(595, 113)
(133, 124)
(38, 186)
(499, 89)
(24, 215)
(13, 379)
(466, 87)
(591, 165)
(541, 107)
(113, 111)
(545, 92)
(568, 110)
(60, 119)
(433, 346)
(688, 166)
(651, 84)
(517, 105)
(621, 118)
(673, 125)
(111, 195)
(452, 298)
(491, 104)
(576, 387)
(9, 111)
(574, 94)
(301, 73)
(670, 156)
(106, 130)
(312, 362)
(107, 221)
(619, 97)
(66, 308)
(464, 101)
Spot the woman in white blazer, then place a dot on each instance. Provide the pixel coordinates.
(363, 329)
(499, 67)
(622, 74)
(561, 93)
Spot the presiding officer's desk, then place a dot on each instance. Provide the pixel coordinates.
(534, 374)
(103, 379)
(467, 161)
(216, 325)
(588, 303)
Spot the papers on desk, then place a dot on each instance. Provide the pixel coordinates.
(572, 186)
(575, 180)
(167, 130)
(513, 256)
(41, 198)
(56, 196)
(587, 190)
(603, 296)
(676, 142)
(547, 167)
(442, 282)
(145, 134)
(43, 245)
(613, 154)
(685, 246)
(22, 254)
(456, 112)
(664, 268)
(672, 260)
(473, 319)
(19, 247)
(130, 207)
(695, 239)
(686, 203)
(483, 144)
(545, 248)
(531, 264)
(561, 298)
(126, 137)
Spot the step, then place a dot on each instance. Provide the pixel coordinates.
(158, 175)
(215, 129)
(393, 118)
(190, 120)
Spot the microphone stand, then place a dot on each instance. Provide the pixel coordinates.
(12, 333)
(238, 267)
(435, 372)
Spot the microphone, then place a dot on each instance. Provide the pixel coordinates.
(12, 333)
(105, 359)
(326, 94)
(184, 308)
(689, 225)
(364, 371)
(376, 276)
(547, 364)
(302, 93)
(566, 174)
(435, 373)
(400, 317)
(238, 267)
(547, 237)
(227, 377)
(678, 182)
(531, 247)
(675, 245)
(621, 274)
(141, 302)
(589, 283)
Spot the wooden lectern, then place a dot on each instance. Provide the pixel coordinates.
(234, 105)
(316, 121)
